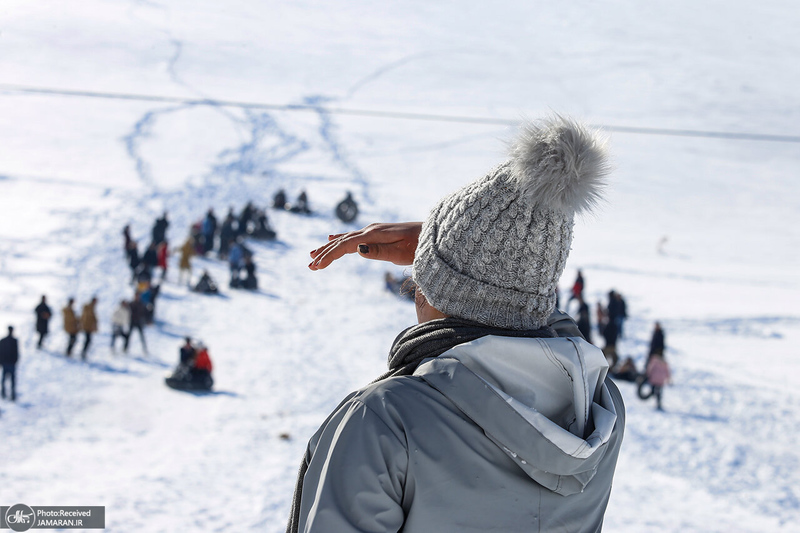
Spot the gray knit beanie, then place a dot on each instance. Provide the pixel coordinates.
(493, 251)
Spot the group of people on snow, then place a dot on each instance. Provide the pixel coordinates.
(610, 325)
(149, 267)
(74, 324)
(228, 239)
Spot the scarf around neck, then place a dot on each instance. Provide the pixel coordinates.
(435, 337)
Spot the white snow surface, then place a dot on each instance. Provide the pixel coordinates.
(75, 169)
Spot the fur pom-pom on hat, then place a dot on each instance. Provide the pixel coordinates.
(493, 251)
(559, 164)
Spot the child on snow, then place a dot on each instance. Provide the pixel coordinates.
(658, 375)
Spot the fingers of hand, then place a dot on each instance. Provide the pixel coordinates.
(339, 245)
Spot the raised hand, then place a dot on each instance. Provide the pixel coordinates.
(393, 242)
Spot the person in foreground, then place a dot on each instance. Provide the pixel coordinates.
(495, 414)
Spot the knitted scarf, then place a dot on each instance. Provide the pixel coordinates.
(410, 348)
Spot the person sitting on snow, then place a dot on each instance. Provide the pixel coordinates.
(201, 365)
(301, 205)
(347, 209)
(279, 200)
(261, 228)
(187, 353)
(206, 285)
(250, 281)
(194, 370)
(626, 371)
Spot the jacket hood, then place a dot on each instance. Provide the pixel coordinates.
(542, 401)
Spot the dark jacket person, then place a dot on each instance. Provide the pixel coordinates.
(43, 314)
(9, 355)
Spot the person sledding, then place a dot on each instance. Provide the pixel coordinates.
(260, 228)
(347, 209)
(201, 366)
(250, 281)
(301, 204)
(626, 371)
(194, 370)
(206, 285)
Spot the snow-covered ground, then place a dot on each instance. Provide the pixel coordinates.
(102, 123)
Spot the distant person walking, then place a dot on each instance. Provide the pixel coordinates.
(656, 342)
(185, 265)
(133, 258)
(610, 349)
(244, 218)
(137, 321)
(120, 320)
(150, 257)
(71, 325)
(209, 229)
(160, 229)
(577, 289)
(584, 320)
(227, 234)
(88, 325)
(43, 314)
(658, 375)
(162, 251)
(9, 355)
(617, 311)
(126, 234)
(601, 315)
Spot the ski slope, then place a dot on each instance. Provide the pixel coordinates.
(110, 114)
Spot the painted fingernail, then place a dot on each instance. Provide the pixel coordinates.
(363, 249)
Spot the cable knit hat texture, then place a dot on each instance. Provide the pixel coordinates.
(493, 251)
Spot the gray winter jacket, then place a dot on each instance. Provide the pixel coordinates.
(499, 434)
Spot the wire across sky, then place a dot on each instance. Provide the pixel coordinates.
(743, 136)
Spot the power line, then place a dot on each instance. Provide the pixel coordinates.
(387, 114)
